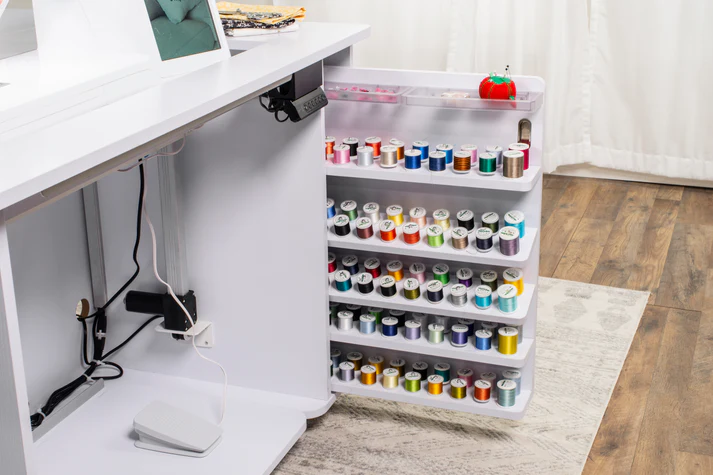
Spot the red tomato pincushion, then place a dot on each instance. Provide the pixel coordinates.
(497, 87)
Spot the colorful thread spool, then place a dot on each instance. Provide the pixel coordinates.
(413, 330)
(496, 150)
(513, 162)
(483, 339)
(418, 215)
(434, 234)
(435, 333)
(447, 149)
(331, 211)
(341, 154)
(421, 318)
(514, 277)
(373, 266)
(387, 284)
(509, 239)
(441, 273)
(399, 365)
(525, 149)
(465, 276)
(355, 309)
(515, 219)
(395, 270)
(468, 323)
(364, 227)
(368, 375)
(387, 230)
(375, 144)
(400, 315)
(412, 289)
(483, 297)
(421, 146)
(377, 362)
(365, 283)
(487, 164)
(329, 143)
(466, 219)
(492, 327)
(390, 378)
(489, 278)
(491, 221)
(435, 384)
(459, 389)
(356, 359)
(412, 382)
(481, 391)
(507, 298)
(507, 340)
(353, 144)
(412, 159)
(434, 291)
(459, 238)
(418, 272)
(443, 321)
(365, 156)
(349, 207)
(462, 162)
(335, 355)
(491, 378)
(466, 374)
(367, 324)
(341, 225)
(442, 217)
(484, 239)
(342, 280)
(459, 335)
(346, 371)
(399, 148)
(411, 233)
(371, 211)
(516, 376)
(396, 214)
(389, 158)
(506, 393)
(351, 264)
(377, 312)
(444, 371)
(333, 310)
(389, 327)
(437, 161)
(331, 262)
(472, 149)
(421, 367)
(459, 295)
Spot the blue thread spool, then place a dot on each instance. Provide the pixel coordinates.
(516, 219)
(412, 159)
(421, 146)
(483, 339)
(437, 161)
(447, 149)
(468, 323)
(389, 326)
(367, 324)
(351, 264)
(336, 356)
(507, 298)
(483, 297)
(459, 335)
(330, 208)
(343, 280)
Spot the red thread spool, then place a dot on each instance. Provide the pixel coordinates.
(525, 149)
(375, 143)
(387, 228)
(373, 267)
(412, 233)
(482, 390)
(331, 262)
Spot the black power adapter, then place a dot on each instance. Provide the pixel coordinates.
(299, 97)
(163, 304)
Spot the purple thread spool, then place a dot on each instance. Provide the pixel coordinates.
(470, 324)
(465, 276)
(459, 335)
(509, 238)
(413, 330)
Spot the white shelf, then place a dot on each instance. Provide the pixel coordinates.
(442, 401)
(447, 177)
(493, 258)
(423, 347)
(444, 307)
(431, 97)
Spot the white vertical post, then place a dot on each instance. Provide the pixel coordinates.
(95, 244)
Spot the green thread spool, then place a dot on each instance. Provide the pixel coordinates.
(487, 163)
(435, 333)
(412, 382)
(506, 392)
(443, 370)
(349, 207)
(491, 221)
(377, 312)
(441, 273)
(490, 278)
(435, 235)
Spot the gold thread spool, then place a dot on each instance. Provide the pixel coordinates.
(398, 364)
(435, 384)
(396, 214)
(514, 277)
(412, 289)
(368, 375)
(390, 378)
(442, 218)
(395, 270)
(459, 388)
(355, 358)
(513, 163)
(378, 363)
(400, 148)
(461, 162)
(507, 340)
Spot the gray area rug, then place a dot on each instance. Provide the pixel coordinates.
(583, 336)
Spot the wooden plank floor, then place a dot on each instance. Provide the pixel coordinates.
(660, 239)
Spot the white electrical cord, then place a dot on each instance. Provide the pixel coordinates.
(170, 291)
(157, 154)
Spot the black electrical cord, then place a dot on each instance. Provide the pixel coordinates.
(274, 106)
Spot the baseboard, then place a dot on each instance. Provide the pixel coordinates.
(590, 171)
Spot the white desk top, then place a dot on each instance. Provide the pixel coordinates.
(34, 162)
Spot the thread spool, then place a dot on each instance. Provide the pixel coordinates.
(507, 298)
(349, 207)
(459, 388)
(514, 276)
(465, 276)
(346, 371)
(506, 393)
(395, 270)
(373, 266)
(471, 149)
(481, 390)
(335, 355)
(468, 323)
(483, 297)
(365, 283)
(396, 214)
(367, 324)
(466, 374)
(435, 333)
(412, 160)
(341, 225)
(387, 284)
(434, 291)
(418, 272)
(377, 362)
(389, 327)
(399, 315)
(484, 240)
(388, 157)
(333, 310)
(442, 217)
(329, 143)
(390, 378)
(487, 164)
(387, 230)
(435, 384)
(355, 309)
(507, 340)
(371, 211)
(399, 365)
(365, 229)
(493, 329)
(515, 219)
(356, 359)
(368, 375)
(513, 162)
(418, 215)
(491, 221)
(411, 233)
(353, 144)
(341, 155)
(489, 278)
(444, 321)
(375, 144)
(413, 330)
(400, 146)
(422, 318)
(483, 339)
(491, 378)
(342, 280)
(525, 149)
(412, 289)
(466, 219)
(412, 382)
(377, 312)
(515, 376)
(331, 262)
(437, 161)
(459, 335)
(421, 367)
(444, 371)
(496, 150)
(441, 273)
(331, 211)
(461, 162)
(509, 239)
(350, 264)
(365, 156)
(422, 147)
(447, 149)
(459, 238)
(459, 295)
(434, 234)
